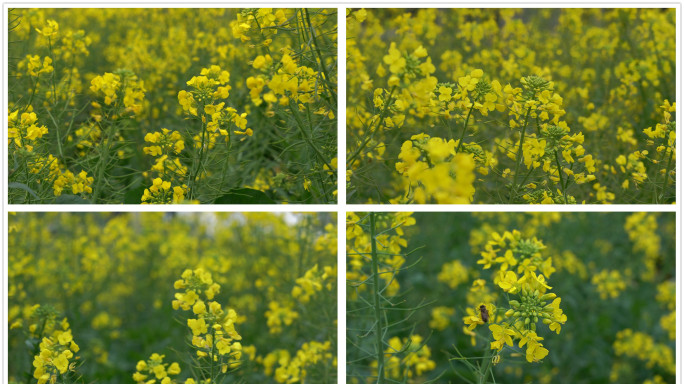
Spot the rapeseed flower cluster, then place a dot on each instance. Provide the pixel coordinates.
(391, 243)
(440, 317)
(642, 230)
(154, 369)
(278, 316)
(214, 336)
(24, 133)
(453, 274)
(313, 282)
(76, 184)
(22, 130)
(610, 283)
(667, 296)
(432, 170)
(522, 273)
(642, 346)
(296, 368)
(408, 357)
(166, 146)
(112, 88)
(54, 354)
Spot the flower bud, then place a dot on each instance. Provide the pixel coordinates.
(548, 296)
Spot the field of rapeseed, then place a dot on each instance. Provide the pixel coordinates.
(511, 298)
(511, 106)
(172, 298)
(172, 105)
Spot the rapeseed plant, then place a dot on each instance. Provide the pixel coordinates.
(375, 258)
(499, 113)
(490, 304)
(100, 97)
(259, 282)
(214, 338)
(522, 276)
(153, 369)
(54, 351)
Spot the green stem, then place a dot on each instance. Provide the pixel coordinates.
(68, 85)
(527, 176)
(193, 179)
(27, 196)
(300, 126)
(33, 93)
(59, 139)
(211, 356)
(465, 125)
(107, 142)
(226, 160)
(560, 176)
(376, 303)
(660, 156)
(667, 171)
(386, 102)
(485, 368)
(518, 157)
(261, 33)
(102, 163)
(54, 71)
(36, 348)
(27, 175)
(321, 63)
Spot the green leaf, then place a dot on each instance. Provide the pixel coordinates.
(244, 196)
(134, 195)
(70, 199)
(24, 187)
